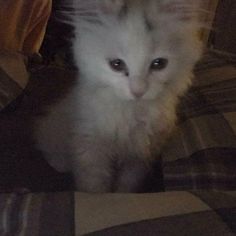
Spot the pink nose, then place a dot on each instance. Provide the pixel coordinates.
(138, 87)
(138, 93)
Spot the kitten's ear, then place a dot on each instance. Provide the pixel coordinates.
(183, 10)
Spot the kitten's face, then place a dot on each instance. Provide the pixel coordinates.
(135, 52)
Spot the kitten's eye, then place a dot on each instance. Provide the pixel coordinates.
(118, 65)
(159, 64)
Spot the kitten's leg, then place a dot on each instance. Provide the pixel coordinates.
(132, 176)
(92, 171)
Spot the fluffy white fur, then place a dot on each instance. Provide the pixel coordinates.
(100, 131)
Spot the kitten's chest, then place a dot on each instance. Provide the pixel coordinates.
(137, 131)
(110, 118)
(131, 127)
(131, 121)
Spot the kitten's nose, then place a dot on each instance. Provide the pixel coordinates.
(138, 88)
(138, 93)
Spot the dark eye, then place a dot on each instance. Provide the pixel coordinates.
(118, 65)
(159, 64)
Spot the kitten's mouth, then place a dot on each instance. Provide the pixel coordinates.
(140, 101)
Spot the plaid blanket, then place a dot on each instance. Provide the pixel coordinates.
(166, 214)
(201, 153)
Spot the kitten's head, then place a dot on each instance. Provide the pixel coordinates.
(138, 49)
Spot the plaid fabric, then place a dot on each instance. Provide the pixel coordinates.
(165, 214)
(201, 153)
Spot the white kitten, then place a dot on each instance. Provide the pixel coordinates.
(135, 59)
